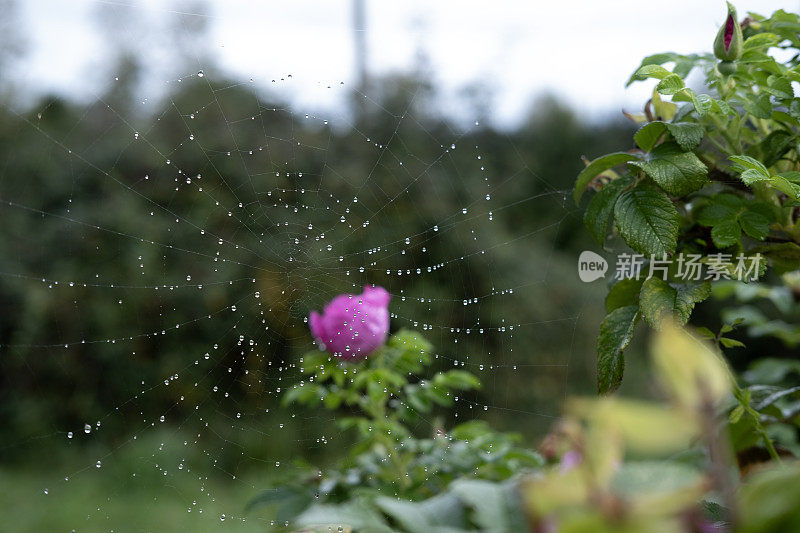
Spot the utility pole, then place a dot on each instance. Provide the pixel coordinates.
(360, 49)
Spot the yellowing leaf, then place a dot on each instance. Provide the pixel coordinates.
(690, 371)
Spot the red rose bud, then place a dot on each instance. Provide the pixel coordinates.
(728, 44)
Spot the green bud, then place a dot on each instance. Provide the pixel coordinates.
(728, 44)
(726, 68)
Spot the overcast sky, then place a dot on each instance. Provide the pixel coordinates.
(581, 50)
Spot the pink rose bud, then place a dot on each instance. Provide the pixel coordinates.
(729, 42)
(353, 325)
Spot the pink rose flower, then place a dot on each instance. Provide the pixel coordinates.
(353, 325)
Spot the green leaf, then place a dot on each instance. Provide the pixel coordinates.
(731, 343)
(675, 171)
(736, 414)
(647, 136)
(780, 87)
(772, 371)
(702, 102)
(716, 213)
(744, 162)
(655, 59)
(493, 504)
(705, 332)
(426, 516)
(599, 165)
(659, 301)
(785, 186)
(726, 234)
(460, 379)
(784, 256)
(651, 71)
(670, 84)
(751, 176)
(410, 341)
(647, 220)
(624, 293)
(754, 224)
(616, 332)
(759, 106)
(356, 515)
(601, 207)
(792, 176)
(775, 146)
(686, 134)
(761, 40)
(288, 501)
(687, 296)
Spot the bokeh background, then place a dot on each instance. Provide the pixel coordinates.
(162, 163)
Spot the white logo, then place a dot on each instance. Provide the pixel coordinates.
(591, 266)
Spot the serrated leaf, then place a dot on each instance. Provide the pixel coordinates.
(744, 162)
(616, 332)
(702, 102)
(751, 176)
(647, 220)
(792, 176)
(726, 234)
(675, 171)
(754, 224)
(657, 301)
(759, 106)
(624, 293)
(687, 296)
(601, 208)
(780, 87)
(651, 71)
(760, 40)
(655, 59)
(660, 301)
(716, 213)
(785, 186)
(670, 84)
(686, 134)
(599, 165)
(775, 145)
(647, 136)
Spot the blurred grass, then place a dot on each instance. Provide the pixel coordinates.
(128, 493)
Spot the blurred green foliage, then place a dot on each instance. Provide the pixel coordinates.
(104, 204)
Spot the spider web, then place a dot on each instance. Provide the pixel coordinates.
(220, 222)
